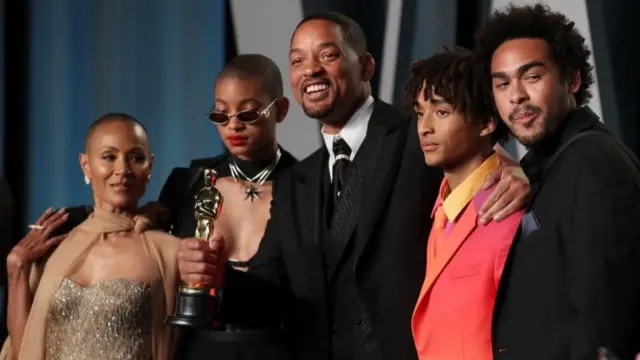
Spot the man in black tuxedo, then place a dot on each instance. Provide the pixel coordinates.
(570, 288)
(343, 256)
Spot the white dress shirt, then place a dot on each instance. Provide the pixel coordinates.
(353, 132)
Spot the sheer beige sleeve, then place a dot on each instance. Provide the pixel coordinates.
(164, 248)
(34, 279)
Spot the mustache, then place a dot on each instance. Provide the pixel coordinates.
(524, 108)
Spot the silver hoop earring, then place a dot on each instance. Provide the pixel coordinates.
(87, 180)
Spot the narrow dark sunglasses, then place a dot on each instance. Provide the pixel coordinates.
(246, 116)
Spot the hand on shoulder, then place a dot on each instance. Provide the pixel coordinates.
(150, 216)
(510, 193)
(37, 243)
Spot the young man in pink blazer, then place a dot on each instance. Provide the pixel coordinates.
(452, 318)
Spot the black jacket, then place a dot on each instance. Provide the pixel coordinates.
(572, 280)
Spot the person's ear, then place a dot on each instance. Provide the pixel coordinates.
(575, 82)
(84, 165)
(489, 127)
(368, 66)
(282, 108)
(151, 157)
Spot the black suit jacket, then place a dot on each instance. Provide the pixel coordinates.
(572, 280)
(389, 230)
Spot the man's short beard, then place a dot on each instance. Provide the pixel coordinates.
(318, 113)
(531, 140)
(548, 128)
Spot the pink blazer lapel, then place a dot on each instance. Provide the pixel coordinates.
(465, 225)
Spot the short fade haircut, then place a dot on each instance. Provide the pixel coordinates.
(255, 66)
(566, 46)
(452, 75)
(109, 118)
(351, 30)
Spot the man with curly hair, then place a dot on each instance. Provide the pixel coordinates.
(452, 317)
(571, 288)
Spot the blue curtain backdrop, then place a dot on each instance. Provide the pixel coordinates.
(154, 59)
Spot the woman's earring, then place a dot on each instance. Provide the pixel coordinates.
(87, 180)
(149, 178)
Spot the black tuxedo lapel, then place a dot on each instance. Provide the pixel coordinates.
(376, 189)
(366, 177)
(307, 201)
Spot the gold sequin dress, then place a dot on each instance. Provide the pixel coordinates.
(110, 320)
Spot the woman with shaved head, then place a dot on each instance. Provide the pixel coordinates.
(104, 292)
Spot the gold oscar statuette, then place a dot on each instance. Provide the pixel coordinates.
(196, 304)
